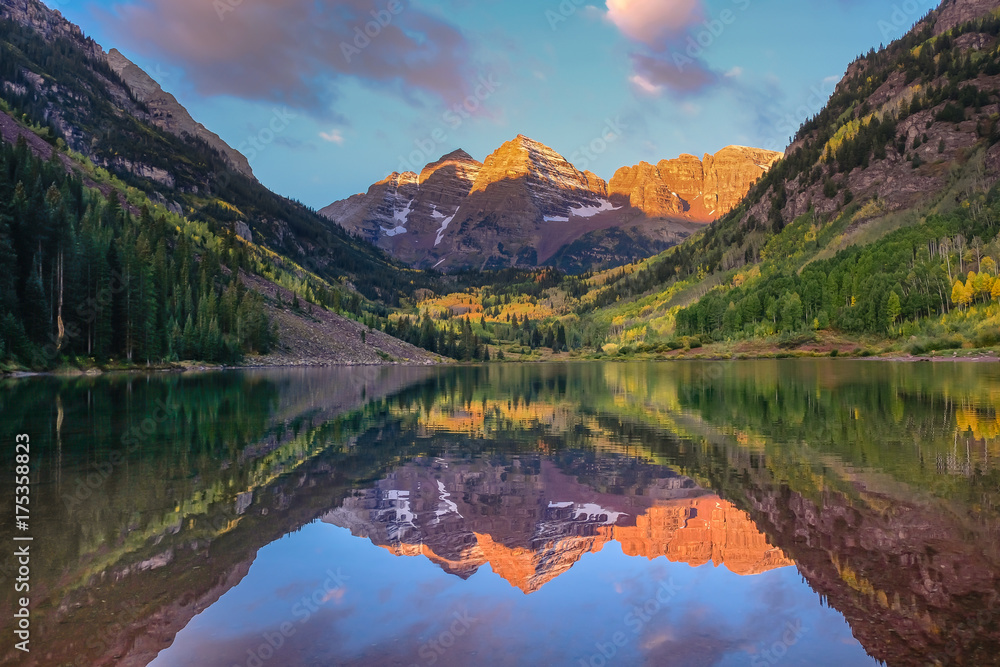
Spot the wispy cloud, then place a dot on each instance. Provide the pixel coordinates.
(660, 64)
(659, 74)
(297, 52)
(333, 136)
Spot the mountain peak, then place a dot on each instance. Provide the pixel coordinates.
(458, 154)
(523, 141)
(456, 163)
(523, 157)
(396, 178)
(525, 202)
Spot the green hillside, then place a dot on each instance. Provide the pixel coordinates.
(860, 230)
(124, 240)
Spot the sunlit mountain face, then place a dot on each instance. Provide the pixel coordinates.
(531, 520)
(545, 514)
(529, 206)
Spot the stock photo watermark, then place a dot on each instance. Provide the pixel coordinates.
(255, 144)
(788, 121)
(22, 552)
(635, 621)
(613, 131)
(563, 12)
(427, 147)
(903, 16)
(132, 440)
(432, 650)
(773, 654)
(698, 42)
(364, 35)
(302, 611)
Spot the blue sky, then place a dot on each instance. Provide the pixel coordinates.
(379, 608)
(323, 110)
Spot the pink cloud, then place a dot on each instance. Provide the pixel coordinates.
(652, 21)
(296, 51)
(653, 75)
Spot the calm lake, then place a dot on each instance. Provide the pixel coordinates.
(799, 512)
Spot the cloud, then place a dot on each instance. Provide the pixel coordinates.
(333, 136)
(658, 25)
(654, 74)
(645, 85)
(296, 52)
(652, 21)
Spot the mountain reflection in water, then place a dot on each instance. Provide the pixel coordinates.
(697, 514)
(531, 521)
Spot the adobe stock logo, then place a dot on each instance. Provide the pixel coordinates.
(903, 16)
(773, 654)
(452, 119)
(567, 8)
(363, 35)
(587, 154)
(707, 34)
(255, 144)
(635, 620)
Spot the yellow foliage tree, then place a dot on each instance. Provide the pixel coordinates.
(960, 296)
(970, 289)
(983, 284)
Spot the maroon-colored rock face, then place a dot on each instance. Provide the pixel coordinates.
(526, 202)
(546, 522)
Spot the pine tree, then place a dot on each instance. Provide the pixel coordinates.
(467, 347)
(189, 339)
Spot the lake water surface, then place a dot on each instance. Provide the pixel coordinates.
(798, 512)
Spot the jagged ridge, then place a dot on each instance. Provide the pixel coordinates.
(526, 205)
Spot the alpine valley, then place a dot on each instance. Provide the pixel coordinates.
(680, 479)
(138, 237)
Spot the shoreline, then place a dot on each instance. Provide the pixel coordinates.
(201, 368)
(193, 367)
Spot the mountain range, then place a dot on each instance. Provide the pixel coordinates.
(527, 206)
(877, 220)
(556, 522)
(132, 156)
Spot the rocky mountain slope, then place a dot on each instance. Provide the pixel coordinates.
(527, 206)
(883, 203)
(167, 114)
(701, 190)
(132, 154)
(114, 114)
(897, 128)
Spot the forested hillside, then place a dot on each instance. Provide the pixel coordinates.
(126, 241)
(878, 228)
(881, 220)
(85, 277)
